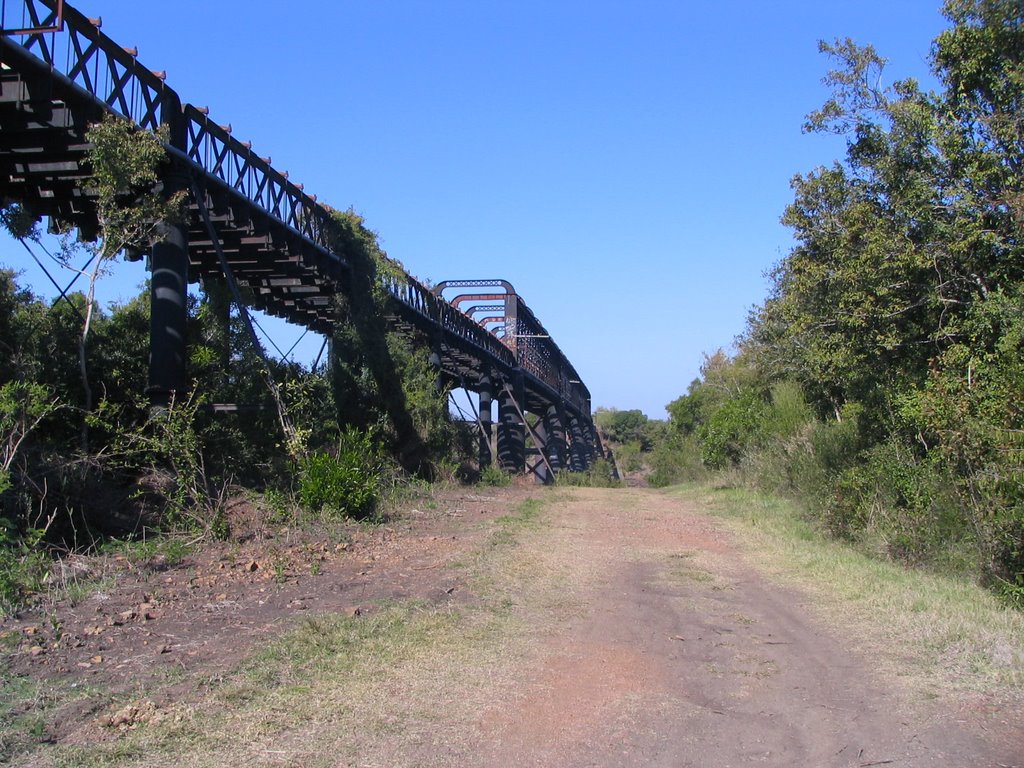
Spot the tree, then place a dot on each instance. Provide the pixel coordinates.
(624, 426)
(125, 163)
(902, 299)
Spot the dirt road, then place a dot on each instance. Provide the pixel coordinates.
(588, 627)
(683, 655)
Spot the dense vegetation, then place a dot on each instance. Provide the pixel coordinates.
(882, 380)
(82, 454)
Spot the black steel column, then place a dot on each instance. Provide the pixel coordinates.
(486, 392)
(511, 430)
(553, 425)
(577, 448)
(168, 263)
(589, 441)
(168, 314)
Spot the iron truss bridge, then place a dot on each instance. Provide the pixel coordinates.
(263, 234)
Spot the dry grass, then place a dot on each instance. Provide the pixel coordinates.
(938, 634)
(401, 684)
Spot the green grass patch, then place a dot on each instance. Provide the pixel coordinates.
(29, 707)
(509, 527)
(526, 514)
(329, 676)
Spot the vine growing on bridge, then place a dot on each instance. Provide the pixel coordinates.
(383, 379)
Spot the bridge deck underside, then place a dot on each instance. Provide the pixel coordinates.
(42, 165)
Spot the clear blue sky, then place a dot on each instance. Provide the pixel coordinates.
(624, 164)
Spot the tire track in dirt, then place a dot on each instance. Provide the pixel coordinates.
(682, 655)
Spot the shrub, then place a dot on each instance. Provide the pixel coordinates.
(675, 460)
(785, 465)
(598, 475)
(630, 456)
(783, 461)
(348, 484)
(23, 567)
(494, 476)
(733, 427)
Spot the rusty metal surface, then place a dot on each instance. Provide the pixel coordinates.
(52, 22)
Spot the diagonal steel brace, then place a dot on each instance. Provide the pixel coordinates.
(526, 423)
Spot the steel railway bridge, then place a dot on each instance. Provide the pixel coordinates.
(248, 225)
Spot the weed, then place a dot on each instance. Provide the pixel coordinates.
(55, 626)
(1011, 594)
(494, 476)
(598, 475)
(174, 550)
(278, 507)
(348, 484)
(75, 590)
(219, 528)
(280, 573)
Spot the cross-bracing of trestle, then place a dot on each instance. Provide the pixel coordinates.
(541, 438)
(229, 276)
(554, 448)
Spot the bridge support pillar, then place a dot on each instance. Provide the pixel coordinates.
(168, 266)
(589, 441)
(578, 456)
(554, 426)
(439, 380)
(511, 429)
(168, 314)
(486, 393)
